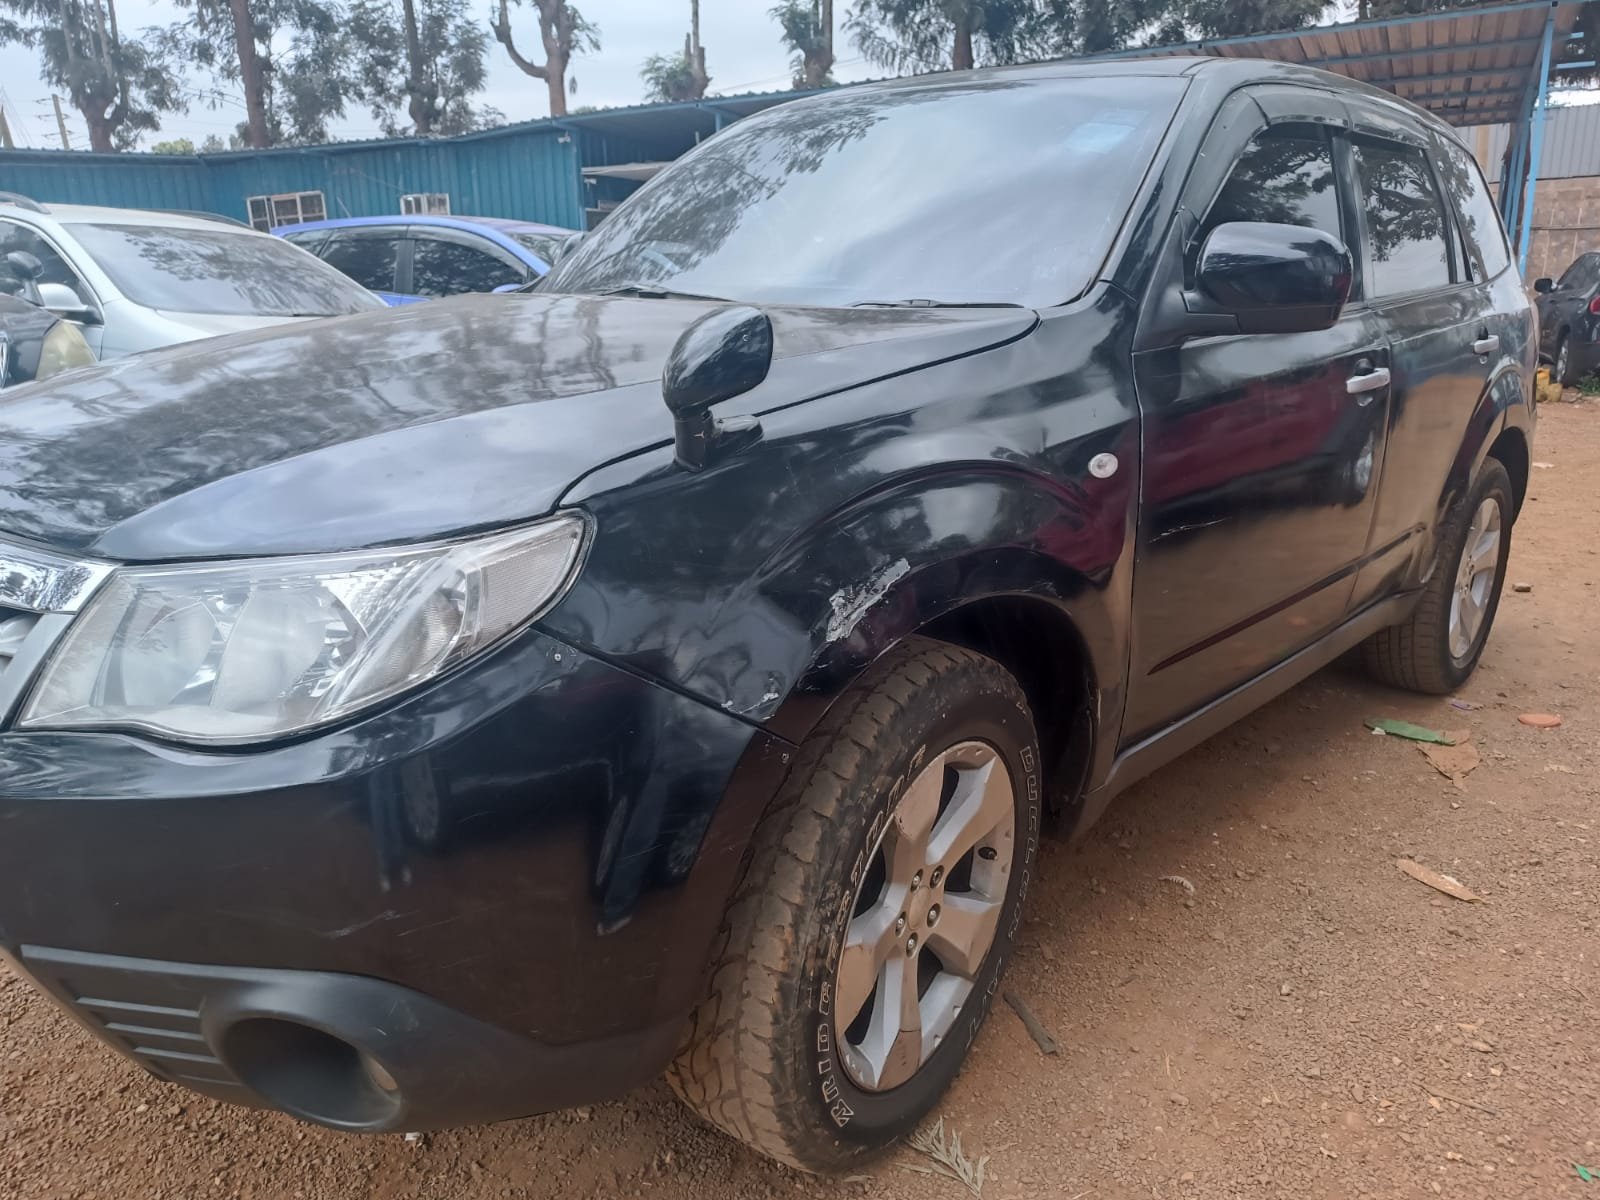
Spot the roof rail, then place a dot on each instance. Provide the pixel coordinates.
(21, 201)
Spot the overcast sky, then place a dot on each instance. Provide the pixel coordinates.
(743, 54)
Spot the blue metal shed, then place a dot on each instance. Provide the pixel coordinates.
(534, 171)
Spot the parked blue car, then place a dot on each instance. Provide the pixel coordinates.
(405, 259)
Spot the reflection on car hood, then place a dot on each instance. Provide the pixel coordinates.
(396, 425)
(216, 324)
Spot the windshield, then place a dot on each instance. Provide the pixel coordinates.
(545, 245)
(216, 271)
(996, 191)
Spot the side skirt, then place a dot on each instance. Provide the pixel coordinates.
(1157, 750)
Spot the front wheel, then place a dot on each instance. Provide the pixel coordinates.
(867, 939)
(1438, 647)
(1563, 365)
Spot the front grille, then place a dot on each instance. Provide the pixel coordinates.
(151, 1016)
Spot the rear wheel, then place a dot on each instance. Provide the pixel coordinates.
(1563, 364)
(1438, 647)
(866, 942)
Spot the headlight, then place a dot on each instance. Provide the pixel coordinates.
(256, 649)
(62, 349)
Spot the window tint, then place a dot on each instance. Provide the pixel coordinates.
(368, 258)
(1480, 220)
(19, 237)
(1408, 247)
(440, 268)
(1285, 179)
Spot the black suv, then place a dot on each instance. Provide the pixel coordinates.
(413, 720)
(1569, 319)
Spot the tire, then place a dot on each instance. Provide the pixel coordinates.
(1561, 367)
(1418, 655)
(768, 1057)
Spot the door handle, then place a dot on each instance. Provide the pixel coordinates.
(1367, 381)
(1486, 345)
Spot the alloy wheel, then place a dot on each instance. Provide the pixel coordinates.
(1475, 575)
(925, 915)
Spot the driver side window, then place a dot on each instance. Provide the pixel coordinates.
(14, 236)
(1285, 178)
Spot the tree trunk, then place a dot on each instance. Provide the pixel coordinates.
(255, 92)
(697, 52)
(100, 133)
(419, 105)
(961, 56)
(556, 77)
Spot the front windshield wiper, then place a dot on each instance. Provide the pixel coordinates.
(649, 291)
(937, 304)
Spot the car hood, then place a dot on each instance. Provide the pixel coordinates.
(400, 425)
(217, 324)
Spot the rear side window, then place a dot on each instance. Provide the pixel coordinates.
(1287, 179)
(1407, 244)
(441, 268)
(1480, 220)
(368, 258)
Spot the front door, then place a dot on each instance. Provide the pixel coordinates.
(1260, 456)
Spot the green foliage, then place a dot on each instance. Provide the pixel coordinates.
(429, 76)
(121, 86)
(669, 77)
(175, 146)
(804, 29)
(932, 35)
(1235, 18)
(215, 145)
(307, 56)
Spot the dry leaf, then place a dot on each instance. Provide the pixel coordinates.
(1455, 763)
(1438, 882)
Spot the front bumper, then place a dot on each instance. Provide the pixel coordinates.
(498, 895)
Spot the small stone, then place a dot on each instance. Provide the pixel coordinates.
(1179, 1099)
(1358, 1093)
(1186, 1177)
(1284, 989)
(1482, 1047)
(175, 1111)
(1452, 1156)
(1522, 587)
(1313, 1072)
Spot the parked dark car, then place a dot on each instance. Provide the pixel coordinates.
(1569, 319)
(406, 259)
(35, 343)
(415, 721)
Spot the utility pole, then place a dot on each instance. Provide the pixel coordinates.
(5, 133)
(61, 122)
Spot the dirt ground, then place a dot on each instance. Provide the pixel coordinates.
(1309, 1023)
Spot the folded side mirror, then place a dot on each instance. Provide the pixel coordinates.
(1275, 278)
(24, 265)
(1544, 284)
(724, 354)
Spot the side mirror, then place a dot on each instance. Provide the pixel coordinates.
(24, 265)
(1276, 278)
(5, 358)
(67, 304)
(1544, 284)
(722, 355)
(568, 246)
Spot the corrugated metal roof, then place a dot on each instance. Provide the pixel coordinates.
(1571, 144)
(1470, 66)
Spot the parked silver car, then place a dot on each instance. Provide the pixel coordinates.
(134, 280)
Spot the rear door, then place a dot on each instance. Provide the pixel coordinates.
(1259, 449)
(447, 263)
(1444, 332)
(368, 254)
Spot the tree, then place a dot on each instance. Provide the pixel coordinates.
(1232, 18)
(932, 35)
(807, 27)
(293, 59)
(175, 146)
(428, 64)
(214, 145)
(564, 32)
(121, 86)
(681, 76)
